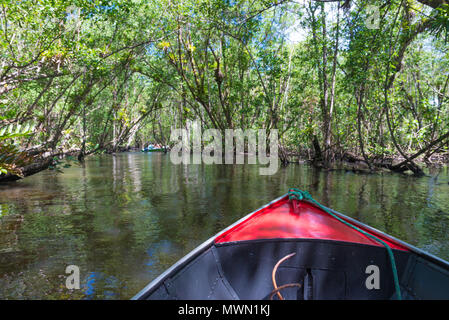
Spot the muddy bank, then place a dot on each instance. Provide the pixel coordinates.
(351, 162)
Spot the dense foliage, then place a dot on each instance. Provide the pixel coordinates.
(95, 75)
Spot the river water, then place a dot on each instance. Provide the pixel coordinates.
(124, 219)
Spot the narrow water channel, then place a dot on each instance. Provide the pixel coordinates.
(124, 219)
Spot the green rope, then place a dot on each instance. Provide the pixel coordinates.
(294, 193)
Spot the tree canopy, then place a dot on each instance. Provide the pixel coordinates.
(86, 76)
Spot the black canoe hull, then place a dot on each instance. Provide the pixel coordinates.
(324, 269)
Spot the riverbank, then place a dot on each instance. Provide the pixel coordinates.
(371, 164)
(346, 161)
(52, 159)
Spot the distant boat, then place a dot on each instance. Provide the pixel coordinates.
(151, 148)
(295, 248)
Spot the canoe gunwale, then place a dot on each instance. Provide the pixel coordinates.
(410, 247)
(318, 240)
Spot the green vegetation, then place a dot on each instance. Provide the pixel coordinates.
(88, 76)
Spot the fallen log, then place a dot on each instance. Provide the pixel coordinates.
(28, 170)
(422, 151)
(386, 164)
(40, 164)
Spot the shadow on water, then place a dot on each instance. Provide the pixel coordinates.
(124, 219)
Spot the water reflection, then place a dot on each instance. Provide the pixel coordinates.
(124, 219)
